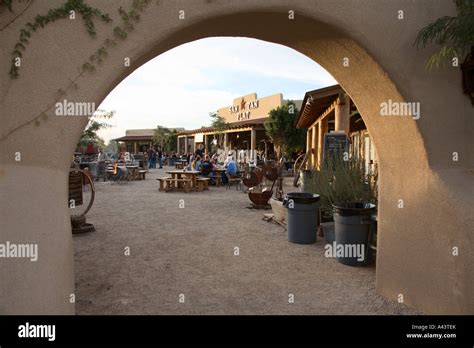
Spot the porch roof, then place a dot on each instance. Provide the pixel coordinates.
(315, 103)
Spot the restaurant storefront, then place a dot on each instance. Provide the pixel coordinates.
(245, 131)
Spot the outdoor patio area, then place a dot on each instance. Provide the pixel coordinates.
(190, 250)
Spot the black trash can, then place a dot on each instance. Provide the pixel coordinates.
(302, 216)
(352, 230)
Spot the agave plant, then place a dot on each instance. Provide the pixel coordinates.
(454, 34)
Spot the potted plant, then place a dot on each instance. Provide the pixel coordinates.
(353, 200)
(347, 207)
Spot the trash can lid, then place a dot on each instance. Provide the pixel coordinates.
(355, 208)
(303, 197)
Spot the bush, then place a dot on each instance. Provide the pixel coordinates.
(342, 181)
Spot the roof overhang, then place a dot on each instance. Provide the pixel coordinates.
(236, 126)
(315, 103)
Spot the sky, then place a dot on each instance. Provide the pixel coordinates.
(180, 87)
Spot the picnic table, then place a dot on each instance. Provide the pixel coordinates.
(178, 175)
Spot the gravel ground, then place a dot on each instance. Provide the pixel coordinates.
(189, 251)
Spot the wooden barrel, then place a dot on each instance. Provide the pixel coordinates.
(75, 187)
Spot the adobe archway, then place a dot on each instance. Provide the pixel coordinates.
(415, 243)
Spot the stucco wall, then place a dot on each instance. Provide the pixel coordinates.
(415, 243)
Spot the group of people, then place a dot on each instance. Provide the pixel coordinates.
(208, 166)
(154, 153)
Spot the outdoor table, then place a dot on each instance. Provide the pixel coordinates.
(191, 174)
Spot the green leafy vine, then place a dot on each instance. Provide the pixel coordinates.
(69, 8)
(129, 19)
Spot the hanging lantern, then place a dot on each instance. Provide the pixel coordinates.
(467, 68)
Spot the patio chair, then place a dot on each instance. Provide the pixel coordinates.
(234, 179)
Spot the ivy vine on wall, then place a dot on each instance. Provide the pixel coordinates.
(88, 14)
(129, 19)
(67, 10)
(119, 33)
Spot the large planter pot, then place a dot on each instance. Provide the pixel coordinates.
(302, 217)
(280, 213)
(373, 239)
(352, 222)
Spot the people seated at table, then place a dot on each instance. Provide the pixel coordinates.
(231, 168)
(121, 157)
(206, 166)
(197, 163)
(119, 171)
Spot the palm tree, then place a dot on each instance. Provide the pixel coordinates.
(454, 34)
(161, 136)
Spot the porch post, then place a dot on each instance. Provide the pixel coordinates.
(322, 129)
(253, 142)
(342, 113)
(309, 147)
(314, 146)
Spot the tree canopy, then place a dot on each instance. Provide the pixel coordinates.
(95, 124)
(220, 125)
(280, 128)
(166, 138)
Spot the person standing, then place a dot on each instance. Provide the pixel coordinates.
(159, 153)
(150, 157)
(100, 165)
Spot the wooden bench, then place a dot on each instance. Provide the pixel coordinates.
(163, 182)
(169, 184)
(203, 183)
(174, 184)
(141, 174)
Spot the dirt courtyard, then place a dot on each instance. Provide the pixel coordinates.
(182, 259)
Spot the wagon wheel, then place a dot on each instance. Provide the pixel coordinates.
(271, 173)
(251, 179)
(77, 218)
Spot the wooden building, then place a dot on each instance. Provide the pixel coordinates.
(329, 110)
